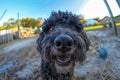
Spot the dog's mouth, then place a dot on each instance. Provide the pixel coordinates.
(63, 60)
(63, 64)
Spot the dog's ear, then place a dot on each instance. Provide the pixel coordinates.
(83, 47)
(80, 54)
(86, 40)
(39, 40)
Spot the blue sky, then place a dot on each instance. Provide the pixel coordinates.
(43, 8)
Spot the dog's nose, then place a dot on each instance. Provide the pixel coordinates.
(63, 42)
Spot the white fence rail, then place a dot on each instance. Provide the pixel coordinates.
(6, 36)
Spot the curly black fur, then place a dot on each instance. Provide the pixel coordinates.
(61, 23)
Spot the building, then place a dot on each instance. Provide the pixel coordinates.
(105, 20)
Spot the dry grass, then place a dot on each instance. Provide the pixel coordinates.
(21, 57)
(106, 74)
(27, 53)
(10, 74)
(3, 59)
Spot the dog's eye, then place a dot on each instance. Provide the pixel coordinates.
(50, 30)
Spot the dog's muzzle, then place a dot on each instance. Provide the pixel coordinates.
(63, 44)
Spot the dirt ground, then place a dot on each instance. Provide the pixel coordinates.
(21, 61)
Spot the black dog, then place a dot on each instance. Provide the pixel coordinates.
(62, 42)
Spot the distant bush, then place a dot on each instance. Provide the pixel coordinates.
(96, 24)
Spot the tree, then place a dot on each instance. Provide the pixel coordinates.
(97, 19)
(95, 23)
(39, 22)
(7, 25)
(82, 19)
(25, 22)
(31, 22)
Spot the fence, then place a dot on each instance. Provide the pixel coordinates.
(6, 36)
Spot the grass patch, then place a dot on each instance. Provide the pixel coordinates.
(93, 27)
(98, 27)
(5, 27)
(118, 24)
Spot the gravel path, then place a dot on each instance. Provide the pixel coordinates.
(18, 45)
